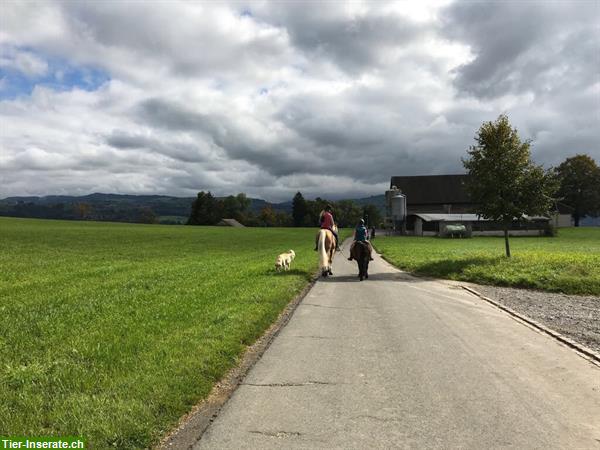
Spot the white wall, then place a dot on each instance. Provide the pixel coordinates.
(562, 220)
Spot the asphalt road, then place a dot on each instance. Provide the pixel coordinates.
(401, 362)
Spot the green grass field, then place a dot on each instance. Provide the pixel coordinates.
(569, 263)
(113, 331)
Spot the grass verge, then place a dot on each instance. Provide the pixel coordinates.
(568, 263)
(113, 331)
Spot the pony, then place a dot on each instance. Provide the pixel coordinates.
(361, 253)
(326, 249)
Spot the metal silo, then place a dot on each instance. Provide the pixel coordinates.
(399, 207)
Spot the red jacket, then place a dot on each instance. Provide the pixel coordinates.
(327, 221)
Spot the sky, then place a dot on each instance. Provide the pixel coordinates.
(274, 97)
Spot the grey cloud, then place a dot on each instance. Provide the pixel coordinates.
(181, 151)
(165, 114)
(525, 46)
(352, 43)
(277, 159)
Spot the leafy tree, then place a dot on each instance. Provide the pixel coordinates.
(299, 210)
(243, 202)
(235, 207)
(230, 207)
(348, 213)
(371, 215)
(83, 210)
(283, 219)
(206, 210)
(313, 211)
(146, 215)
(503, 182)
(268, 217)
(579, 178)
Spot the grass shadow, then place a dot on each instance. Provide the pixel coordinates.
(288, 273)
(446, 267)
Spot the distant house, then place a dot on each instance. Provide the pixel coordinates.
(434, 202)
(230, 223)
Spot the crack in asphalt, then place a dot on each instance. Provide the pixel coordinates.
(333, 307)
(276, 434)
(380, 419)
(306, 383)
(315, 337)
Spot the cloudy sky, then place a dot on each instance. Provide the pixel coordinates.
(269, 98)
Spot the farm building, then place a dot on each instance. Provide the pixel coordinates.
(465, 225)
(444, 194)
(434, 204)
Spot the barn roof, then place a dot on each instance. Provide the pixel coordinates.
(432, 189)
(450, 217)
(563, 208)
(230, 223)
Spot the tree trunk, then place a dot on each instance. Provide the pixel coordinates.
(506, 244)
(576, 219)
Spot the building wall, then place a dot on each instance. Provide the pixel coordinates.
(510, 233)
(562, 220)
(454, 208)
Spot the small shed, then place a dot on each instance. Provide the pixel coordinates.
(230, 223)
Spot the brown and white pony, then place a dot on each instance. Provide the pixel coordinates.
(326, 249)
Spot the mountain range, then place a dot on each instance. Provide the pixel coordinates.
(168, 209)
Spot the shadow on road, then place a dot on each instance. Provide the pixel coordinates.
(374, 277)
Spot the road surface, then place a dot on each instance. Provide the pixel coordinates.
(402, 362)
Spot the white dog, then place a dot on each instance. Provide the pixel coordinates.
(284, 260)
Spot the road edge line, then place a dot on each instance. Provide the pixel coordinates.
(581, 349)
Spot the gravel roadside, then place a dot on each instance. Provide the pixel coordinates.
(575, 316)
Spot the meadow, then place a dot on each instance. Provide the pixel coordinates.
(113, 331)
(568, 263)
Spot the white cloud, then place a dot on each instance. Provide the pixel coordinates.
(271, 98)
(24, 62)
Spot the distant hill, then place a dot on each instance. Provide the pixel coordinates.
(97, 206)
(376, 200)
(127, 208)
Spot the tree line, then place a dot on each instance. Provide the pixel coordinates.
(347, 213)
(210, 210)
